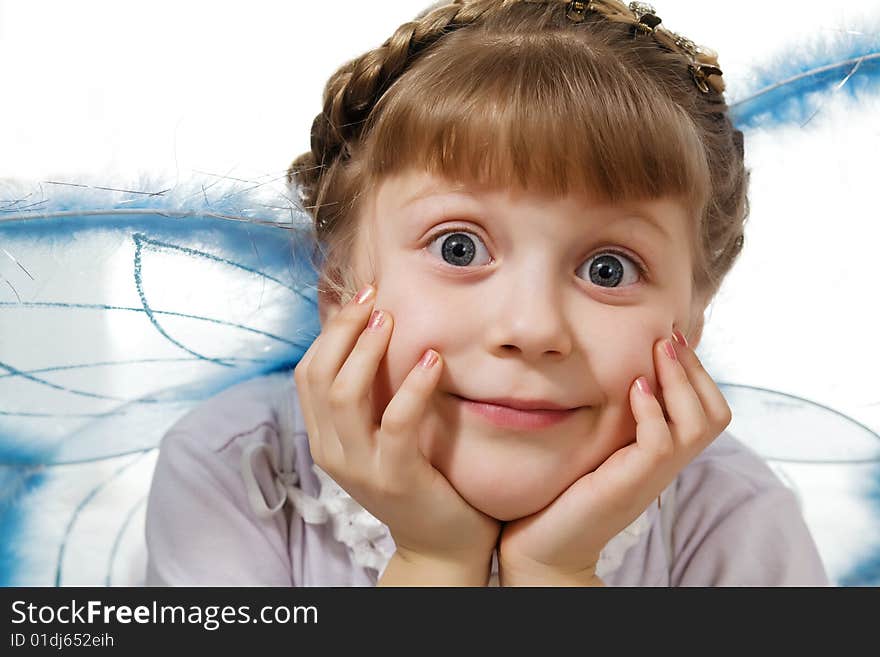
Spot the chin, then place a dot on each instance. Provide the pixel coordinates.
(507, 478)
(506, 501)
(503, 511)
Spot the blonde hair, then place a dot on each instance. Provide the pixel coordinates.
(511, 92)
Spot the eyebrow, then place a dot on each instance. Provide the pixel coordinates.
(432, 190)
(644, 218)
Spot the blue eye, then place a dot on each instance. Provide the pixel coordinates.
(606, 269)
(459, 248)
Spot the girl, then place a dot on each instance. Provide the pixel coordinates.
(523, 209)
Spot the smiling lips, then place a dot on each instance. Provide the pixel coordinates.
(518, 414)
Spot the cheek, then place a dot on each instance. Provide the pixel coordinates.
(628, 355)
(418, 326)
(632, 356)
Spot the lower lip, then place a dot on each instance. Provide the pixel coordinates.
(513, 418)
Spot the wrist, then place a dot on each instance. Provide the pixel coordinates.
(534, 574)
(409, 569)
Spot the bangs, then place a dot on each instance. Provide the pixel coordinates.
(544, 113)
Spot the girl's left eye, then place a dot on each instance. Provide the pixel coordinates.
(606, 269)
(460, 248)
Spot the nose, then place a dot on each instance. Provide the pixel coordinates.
(528, 318)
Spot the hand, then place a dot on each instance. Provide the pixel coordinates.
(562, 542)
(380, 464)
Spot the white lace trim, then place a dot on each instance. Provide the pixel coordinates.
(611, 557)
(353, 525)
(363, 533)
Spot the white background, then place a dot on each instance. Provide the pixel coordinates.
(167, 86)
(112, 90)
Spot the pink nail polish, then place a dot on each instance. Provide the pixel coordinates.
(376, 319)
(364, 295)
(679, 337)
(643, 385)
(670, 350)
(428, 359)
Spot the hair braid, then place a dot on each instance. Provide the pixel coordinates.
(357, 86)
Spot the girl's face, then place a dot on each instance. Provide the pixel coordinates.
(525, 298)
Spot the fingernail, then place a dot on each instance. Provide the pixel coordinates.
(643, 385)
(679, 337)
(428, 359)
(376, 319)
(364, 295)
(670, 350)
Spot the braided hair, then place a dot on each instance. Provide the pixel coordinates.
(508, 93)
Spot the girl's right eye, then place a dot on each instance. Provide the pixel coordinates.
(460, 248)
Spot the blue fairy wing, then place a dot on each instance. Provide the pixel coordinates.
(796, 86)
(120, 311)
(831, 463)
(793, 330)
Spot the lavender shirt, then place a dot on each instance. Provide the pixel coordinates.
(235, 501)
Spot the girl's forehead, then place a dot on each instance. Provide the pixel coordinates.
(418, 188)
(413, 186)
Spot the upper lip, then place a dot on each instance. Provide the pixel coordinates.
(523, 404)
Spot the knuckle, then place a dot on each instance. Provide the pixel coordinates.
(726, 416)
(389, 486)
(664, 449)
(698, 431)
(339, 395)
(355, 315)
(393, 423)
(315, 376)
(300, 373)
(399, 414)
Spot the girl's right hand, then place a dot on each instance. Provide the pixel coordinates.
(381, 465)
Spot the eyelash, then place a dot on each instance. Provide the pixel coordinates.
(643, 272)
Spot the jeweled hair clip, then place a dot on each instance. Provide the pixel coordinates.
(577, 10)
(702, 66)
(646, 17)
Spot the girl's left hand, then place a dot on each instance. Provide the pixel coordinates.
(561, 543)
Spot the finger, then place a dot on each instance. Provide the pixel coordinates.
(687, 420)
(304, 398)
(350, 393)
(311, 349)
(334, 344)
(398, 437)
(634, 473)
(653, 435)
(312, 386)
(337, 339)
(714, 404)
